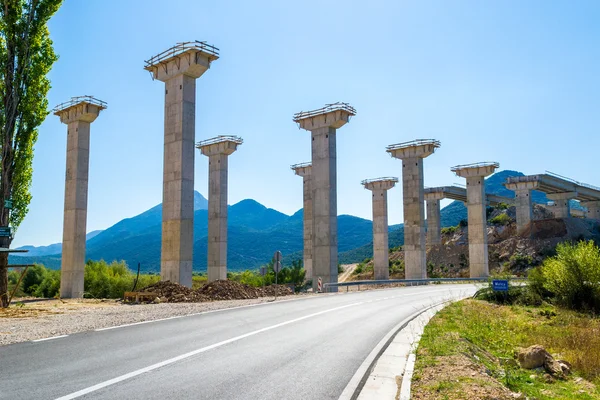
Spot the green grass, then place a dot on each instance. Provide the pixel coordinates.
(486, 335)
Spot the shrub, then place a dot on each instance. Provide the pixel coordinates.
(463, 223)
(573, 275)
(519, 262)
(501, 219)
(450, 230)
(396, 267)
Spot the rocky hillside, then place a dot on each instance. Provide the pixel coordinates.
(508, 252)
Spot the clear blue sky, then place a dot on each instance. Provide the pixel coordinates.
(509, 81)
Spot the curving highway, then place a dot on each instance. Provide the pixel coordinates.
(307, 348)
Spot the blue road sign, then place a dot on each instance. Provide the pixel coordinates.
(500, 285)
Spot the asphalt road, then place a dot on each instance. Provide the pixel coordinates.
(301, 349)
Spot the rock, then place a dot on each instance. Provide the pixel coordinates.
(532, 357)
(553, 367)
(156, 300)
(164, 300)
(565, 366)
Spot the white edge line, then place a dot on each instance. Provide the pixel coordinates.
(237, 307)
(50, 338)
(364, 367)
(201, 312)
(152, 367)
(407, 377)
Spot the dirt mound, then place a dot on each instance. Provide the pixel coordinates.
(171, 292)
(275, 290)
(229, 290)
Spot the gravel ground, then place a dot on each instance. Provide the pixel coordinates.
(44, 319)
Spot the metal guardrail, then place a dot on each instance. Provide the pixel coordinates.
(180, 48)
(412, 143)
(78, 100)
(220, 139)
(586, 185)
(326, 286)
(328, 108)
(382, 179)
(476, 165)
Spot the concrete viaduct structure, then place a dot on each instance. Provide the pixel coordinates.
(476, 209)
(305, 171)
(412, 155)
(323, 124)
(379, 188)
(179, 67)
(217, 150)
(558, 189)
(433, 197)
(77, 114)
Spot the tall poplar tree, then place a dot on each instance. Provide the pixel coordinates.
(26, 57)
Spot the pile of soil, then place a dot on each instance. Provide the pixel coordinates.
(275, 290)
(228, 290)
(171, 292)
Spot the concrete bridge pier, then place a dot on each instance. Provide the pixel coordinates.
(523, 204)
(593, 209)
(379, 188)
(323, 124)
(476, 210)
(561, 208)
(217, 150)
(305, 171)
(77, 114)
(434, 226)
(179, 67)
(412, 155)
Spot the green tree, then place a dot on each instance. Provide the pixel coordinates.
(26, 57)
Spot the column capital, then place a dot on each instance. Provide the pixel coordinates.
(219, 145)
(481, 169)
(420, 148)
(333, 115)
(188, 58)
(380, 183)
(302, 169)
(81, 108)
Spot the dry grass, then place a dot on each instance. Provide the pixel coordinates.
(486, 336)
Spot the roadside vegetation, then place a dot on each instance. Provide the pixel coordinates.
(468, 349)
(111, 281)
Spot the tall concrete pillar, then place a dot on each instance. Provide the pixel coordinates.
(179, 67)
(412, 154)
(434, 227)
(476, 211)
(381, 259)
(593, 209)
(523, 203)
(305, 171)
(217, 150)
(561, 208)
(323, 124)
(77, 114)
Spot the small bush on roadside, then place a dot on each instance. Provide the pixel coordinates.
(573, 276)
(463, 223)
(501, 219)
(516, 295)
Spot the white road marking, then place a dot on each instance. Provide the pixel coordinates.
(50, 338)
(199, 313)
(173, 360)
(141, 371)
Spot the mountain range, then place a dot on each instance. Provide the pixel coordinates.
(255, 232)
